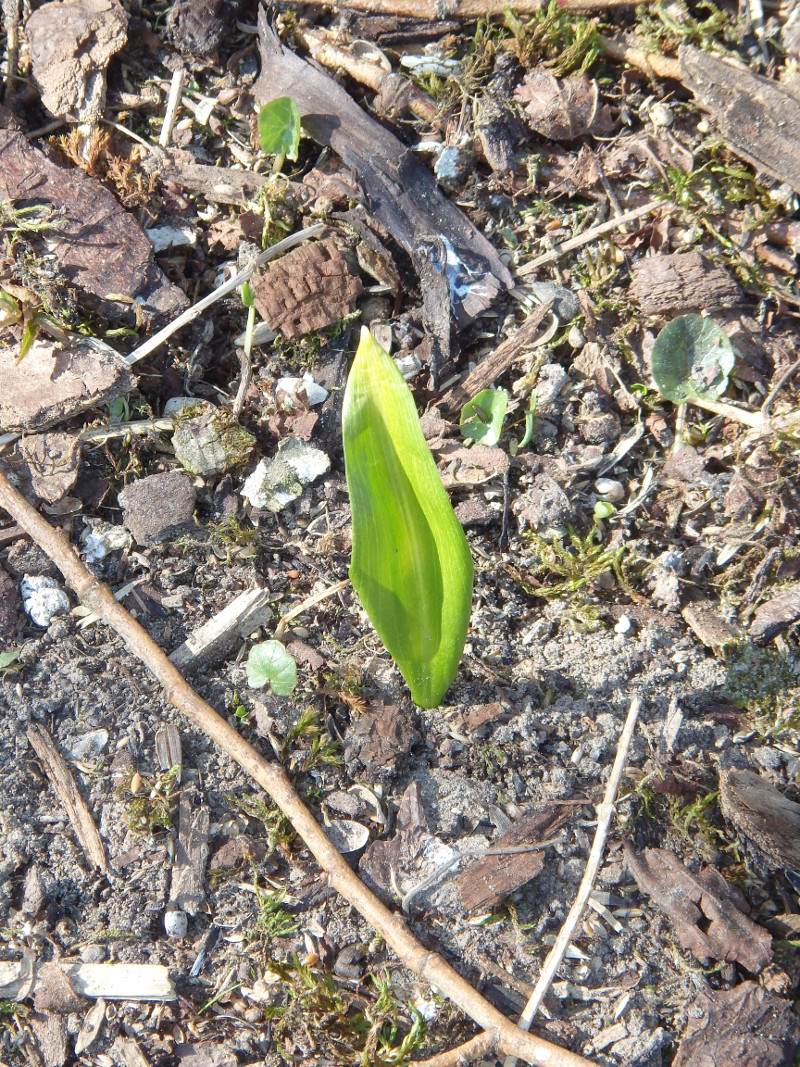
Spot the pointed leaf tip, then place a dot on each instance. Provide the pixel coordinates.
(411, 564)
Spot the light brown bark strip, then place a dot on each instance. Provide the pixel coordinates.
(65, 789)
(273, 779)
(467, 9)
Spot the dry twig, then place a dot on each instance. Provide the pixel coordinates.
(430, 967)
(605, 813)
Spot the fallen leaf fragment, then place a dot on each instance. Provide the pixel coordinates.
(741, 1027)
(708, 913)
(562, 109)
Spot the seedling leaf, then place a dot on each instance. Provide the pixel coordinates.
(482, 418)
(692, 357)
(411, 564)
(270, 662)
(279, 127)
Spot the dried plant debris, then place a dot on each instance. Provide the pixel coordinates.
(562, 109)
(310, 288)
(397, 189)
(767, 820)
(97, 246)
(54, 382)
(709, 915)
(681, 282)
(70, 46)
(741, 1027)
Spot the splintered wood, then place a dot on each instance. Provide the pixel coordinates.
(308, 289)
(67, 792)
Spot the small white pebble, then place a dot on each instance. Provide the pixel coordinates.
(623, 626)
(42, 598)
(610, 489)
(176, 922)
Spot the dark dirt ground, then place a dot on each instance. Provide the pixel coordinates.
(571, 616)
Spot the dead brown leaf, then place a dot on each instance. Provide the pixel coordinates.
(563, 109)
(708, 913)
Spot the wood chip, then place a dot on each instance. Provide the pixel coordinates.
(50, 1031)
(92, 1024)
(762, 815)
(67, 792)
(211, 642)
(191, 855)
(114, 981)
(53, 383)
(492, 878)
(708, 626)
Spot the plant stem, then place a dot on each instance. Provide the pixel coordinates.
(277, 165)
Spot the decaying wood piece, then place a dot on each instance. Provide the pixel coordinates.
(191, 855)
(708, 914)
(652, 63)
(758, 118)
(414, 956)
(307, 290)
(114, 981)
(765, 818)
(100, 250)
(490, 368)
(398, 190)
(211, 641)
(67, 792)
(683, 281)
(492, 878)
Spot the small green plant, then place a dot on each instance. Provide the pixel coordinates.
(692, 359)
(279, 130)
(482, 417)
(273, 921)
(270, 663)
(8, 661)
(411, 564)
(151, 813)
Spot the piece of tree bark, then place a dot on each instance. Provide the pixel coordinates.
(683, 281)
(398, 190)
(67, 792)
(493, 365)
(209, 643)
(425, 964)
(708, 914)
(758, 118)
(99, 249)
(190, 856)
(222, 185)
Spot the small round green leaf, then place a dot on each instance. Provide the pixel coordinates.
(269, 662)
(603, 510)
(482, 418)
(279, 127)
(692, 357)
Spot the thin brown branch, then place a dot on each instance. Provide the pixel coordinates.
(273, 779)
(652, 63)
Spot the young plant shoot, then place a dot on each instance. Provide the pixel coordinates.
(411, 564)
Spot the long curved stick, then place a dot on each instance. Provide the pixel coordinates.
(511, 1040)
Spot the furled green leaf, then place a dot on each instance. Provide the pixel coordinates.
(270, 662)
(692, 357)
(279, 127)
(411, 564)
(482, 417)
